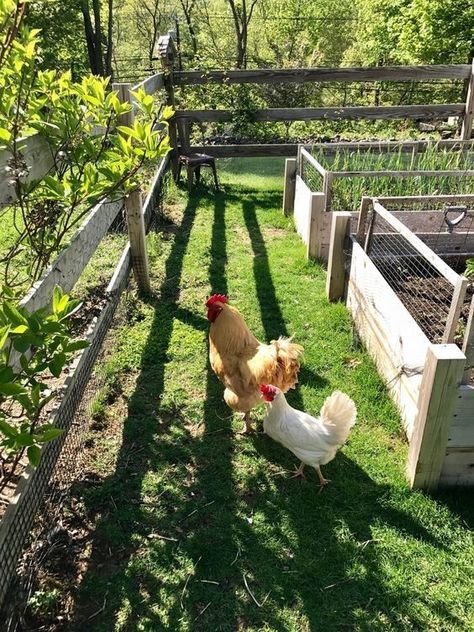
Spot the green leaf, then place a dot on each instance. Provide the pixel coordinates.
(50, 434)
(57, 296)
(34, 455)
(20, 329)
(12, 388)
(8, 430)
(57, 364)
(6, 374)
(76, 345)
(5, 135)
(12, 313)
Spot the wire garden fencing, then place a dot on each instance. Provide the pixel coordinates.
(425, 270)
(97, 264)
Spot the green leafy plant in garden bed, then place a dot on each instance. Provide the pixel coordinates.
(34, 348)
(348, 191)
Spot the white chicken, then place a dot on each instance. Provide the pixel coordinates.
(314, 441)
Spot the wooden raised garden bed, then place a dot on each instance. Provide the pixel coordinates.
(415, 314)
(334, 177)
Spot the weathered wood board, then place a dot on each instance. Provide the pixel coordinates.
(302, 75)
(302, 207)
(391, 335)
(38, 158)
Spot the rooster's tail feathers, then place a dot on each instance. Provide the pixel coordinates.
(339, 415)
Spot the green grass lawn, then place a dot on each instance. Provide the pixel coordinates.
(183, 512)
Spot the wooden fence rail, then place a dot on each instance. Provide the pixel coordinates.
(304, 75)
(392, 112)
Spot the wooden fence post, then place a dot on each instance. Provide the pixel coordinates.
(134, 210)
(466, 129)
(289, 186)
(441, 377)
(468, 344)
(166, 51)
(336, 275)
(361, 224)
(316, 211)
(327, 189)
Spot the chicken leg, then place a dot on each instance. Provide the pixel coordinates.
(248, 428)
(323, 481)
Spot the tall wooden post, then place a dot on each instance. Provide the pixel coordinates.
(466, 129)
(327, 189)
(316, 212)
(289, 186)
(134, 210)
(166, 51)
(442, 374)
(336, 276)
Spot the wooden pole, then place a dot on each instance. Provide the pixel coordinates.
(454, 313)
(167, 52)
(327, 189)
(361, 224)
(315, 226)
(468, 345)
(289, 186)
(134, 210)
(441, 377)
(336, 275)
(466, 129)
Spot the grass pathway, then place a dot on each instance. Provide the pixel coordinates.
(191, 525)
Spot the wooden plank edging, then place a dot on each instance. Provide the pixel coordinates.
(302, 75)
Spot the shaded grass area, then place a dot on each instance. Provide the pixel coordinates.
(191, 525)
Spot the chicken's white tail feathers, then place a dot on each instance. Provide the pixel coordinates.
(338, 414)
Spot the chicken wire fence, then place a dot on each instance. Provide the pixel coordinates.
(421, 288)
(27, 539)
(444, 223)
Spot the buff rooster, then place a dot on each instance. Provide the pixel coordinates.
(243, 363)
(314, 441)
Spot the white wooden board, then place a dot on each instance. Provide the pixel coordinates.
(461, 434)
(391, 335)
(302, 209)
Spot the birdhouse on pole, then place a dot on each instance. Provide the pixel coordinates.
(166, 51)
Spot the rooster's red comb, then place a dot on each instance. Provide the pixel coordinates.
(216, 298)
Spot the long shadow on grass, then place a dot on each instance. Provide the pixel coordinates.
(117, 579)
(271, 314)
(208, 601)
(330, 567)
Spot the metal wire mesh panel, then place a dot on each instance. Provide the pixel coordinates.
(311, 176)
(425, 293)
(22, 532)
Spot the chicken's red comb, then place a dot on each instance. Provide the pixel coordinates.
(216, 298)
(269, 392)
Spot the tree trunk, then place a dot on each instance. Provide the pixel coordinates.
(98, 37)
(90, 37)
(108, 57)
(99, 63)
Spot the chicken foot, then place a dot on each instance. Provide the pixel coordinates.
(248, 428)
(299, 471)
(322, 481)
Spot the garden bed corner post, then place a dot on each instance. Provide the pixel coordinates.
(134, 210)
(442, 375)
(466, 129)
(289, 186)
(315, 218)
(336, 275)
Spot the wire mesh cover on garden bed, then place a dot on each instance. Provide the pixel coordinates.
(425, 293)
